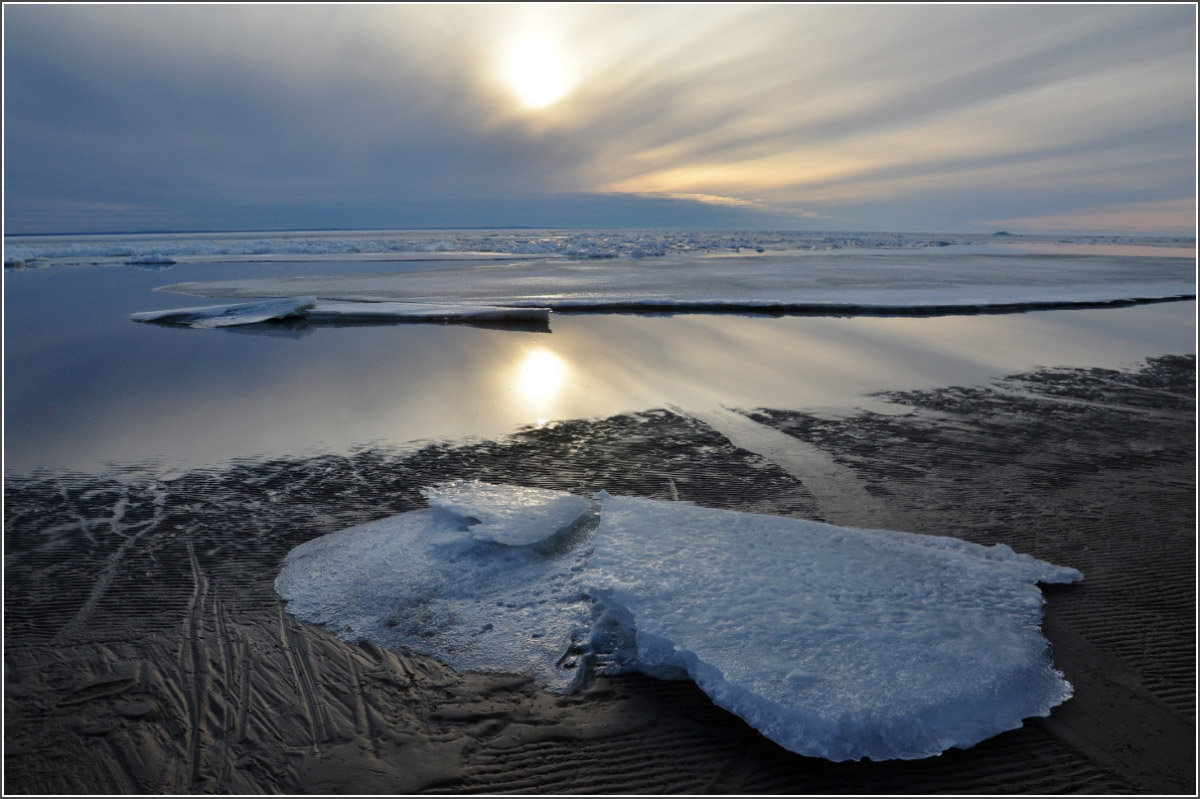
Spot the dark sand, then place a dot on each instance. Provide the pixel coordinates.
(146, 650)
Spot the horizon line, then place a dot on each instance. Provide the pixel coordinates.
(201, 231)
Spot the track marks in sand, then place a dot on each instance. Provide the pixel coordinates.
(112, 563)
(300, 661)
(362, 714)
(211, 684)
(194, 671)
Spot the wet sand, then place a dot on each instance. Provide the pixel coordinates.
(147, 652)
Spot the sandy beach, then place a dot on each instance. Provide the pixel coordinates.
(147, 652)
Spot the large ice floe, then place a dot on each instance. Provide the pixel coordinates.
(528, 275)
(833, 642)
(836, 282)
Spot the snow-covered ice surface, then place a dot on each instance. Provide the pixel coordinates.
(426, 581)
(929, 280)
(245, 313)
(509, 515)
(831, 641)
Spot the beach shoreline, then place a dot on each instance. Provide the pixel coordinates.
(169, 665)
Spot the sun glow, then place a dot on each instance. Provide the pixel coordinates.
(535, 70)
(541, 375)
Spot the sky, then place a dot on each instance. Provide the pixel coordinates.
(930, 118)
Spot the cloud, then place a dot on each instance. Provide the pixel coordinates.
(562, 209)
(868, 114)
(738, 202)
(1157, 217)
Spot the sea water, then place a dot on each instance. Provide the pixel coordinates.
(86, 388)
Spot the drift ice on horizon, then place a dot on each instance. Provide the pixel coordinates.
(491, 244)
(832, 641)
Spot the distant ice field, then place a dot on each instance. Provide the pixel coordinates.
(418, 245)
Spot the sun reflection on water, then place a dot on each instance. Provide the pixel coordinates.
(540, 377)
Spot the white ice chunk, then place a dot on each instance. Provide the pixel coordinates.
(833, 642)
(510, 515)
(421, 581)
(245, 313)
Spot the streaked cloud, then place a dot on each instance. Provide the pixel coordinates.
(873, 116)
(1148, 217)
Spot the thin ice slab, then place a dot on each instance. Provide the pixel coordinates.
(512, 515)
(338, 311)
(454, 581)
(342, 312)
(832, 641)
(243, 313)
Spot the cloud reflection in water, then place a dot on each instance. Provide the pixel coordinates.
(246, 396)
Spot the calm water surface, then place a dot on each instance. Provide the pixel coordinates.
(86, 389)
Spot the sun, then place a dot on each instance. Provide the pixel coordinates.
(536, 71)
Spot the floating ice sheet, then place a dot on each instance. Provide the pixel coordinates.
(832, 641)
(246, 313)
(838, 282)
(340, 312)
